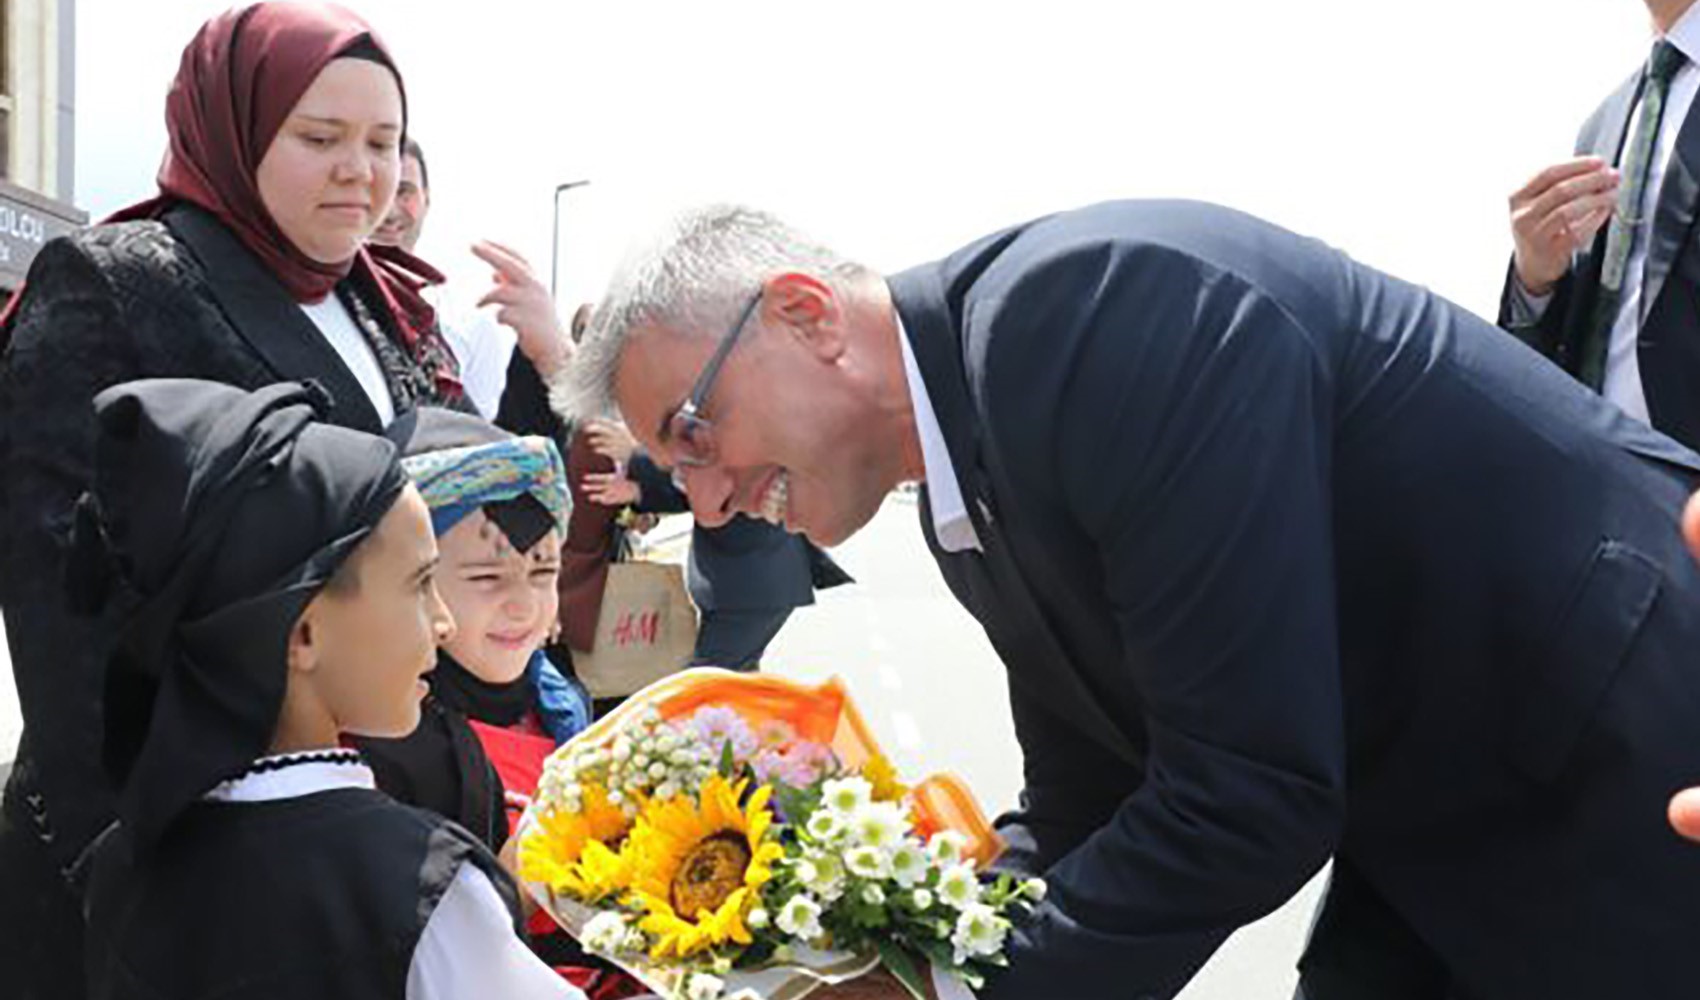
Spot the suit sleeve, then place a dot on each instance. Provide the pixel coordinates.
(1538, 324)
(1192, 449)
(1071, 787)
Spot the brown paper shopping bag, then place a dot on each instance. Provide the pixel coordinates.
(647, 629)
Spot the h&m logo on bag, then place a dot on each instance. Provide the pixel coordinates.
(637, 628)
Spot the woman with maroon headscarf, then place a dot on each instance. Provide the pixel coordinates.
(250, 267)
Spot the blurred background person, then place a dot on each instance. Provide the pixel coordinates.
(249, 267)
(1603, 275)
(594, 529)
(483, 339)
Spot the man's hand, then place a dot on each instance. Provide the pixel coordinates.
(525, 308)
(1685, 813)
(1685, 808)
(1557, 213)
(611, 489)
(610, 439)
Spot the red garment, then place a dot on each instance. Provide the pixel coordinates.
(518, 757)
(518, 753)
(239, 79)
(602, 984)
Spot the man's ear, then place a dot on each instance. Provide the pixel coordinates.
(809, 308)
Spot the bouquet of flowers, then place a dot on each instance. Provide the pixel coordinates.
(736, 835)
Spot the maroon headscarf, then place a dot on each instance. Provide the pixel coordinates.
(240, 78)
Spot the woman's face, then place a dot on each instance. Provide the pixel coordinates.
(504, 601)
(330, 174)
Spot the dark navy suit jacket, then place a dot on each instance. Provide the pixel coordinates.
(1286, 557)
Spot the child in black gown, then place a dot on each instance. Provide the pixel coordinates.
(268, 580)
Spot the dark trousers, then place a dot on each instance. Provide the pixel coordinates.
(736, 638)
(1361, 949)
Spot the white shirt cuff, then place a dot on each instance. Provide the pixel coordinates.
(1527, 308)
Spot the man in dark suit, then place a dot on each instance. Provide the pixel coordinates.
(1605, 277)
(1286, 558)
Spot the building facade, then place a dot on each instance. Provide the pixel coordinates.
(37, 137)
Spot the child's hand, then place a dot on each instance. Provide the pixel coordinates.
(611, 489)
(611, 439)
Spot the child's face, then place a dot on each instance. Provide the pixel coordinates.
(504, 601)
(376, 639)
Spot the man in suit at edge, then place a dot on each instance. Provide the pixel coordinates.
(1605, 275)
(1685, 806)
(1286, 559)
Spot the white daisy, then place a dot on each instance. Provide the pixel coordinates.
(800, 918)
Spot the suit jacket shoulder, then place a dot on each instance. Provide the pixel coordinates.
(1603, 132)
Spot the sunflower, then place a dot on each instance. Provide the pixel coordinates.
(879, 774)
(697, 867)
(569, 851)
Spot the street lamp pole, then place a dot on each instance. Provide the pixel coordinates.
(555, 240)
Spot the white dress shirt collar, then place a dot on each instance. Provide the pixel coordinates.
(951, 523)
(289, 776)
(1685, 34)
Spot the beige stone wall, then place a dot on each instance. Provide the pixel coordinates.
(33, 58)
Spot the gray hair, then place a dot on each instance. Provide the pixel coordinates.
(692, 279)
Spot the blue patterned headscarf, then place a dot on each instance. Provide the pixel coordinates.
(457, 481)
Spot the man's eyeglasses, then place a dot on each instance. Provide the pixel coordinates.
(688, 434)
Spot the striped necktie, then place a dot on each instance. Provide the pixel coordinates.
(1627, 225)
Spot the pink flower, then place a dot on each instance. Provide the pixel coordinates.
(799, 765)
(717, 726)
(775, 733)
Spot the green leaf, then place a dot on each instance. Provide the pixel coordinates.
(939, 954)
(728, 763)
(903, 966)
(794, 807)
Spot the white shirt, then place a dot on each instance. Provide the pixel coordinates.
(468, 950)
(1622, 384)
(340, 331)
(951, 524)
(483, 347)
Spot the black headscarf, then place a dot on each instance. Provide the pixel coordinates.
(214, 517)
